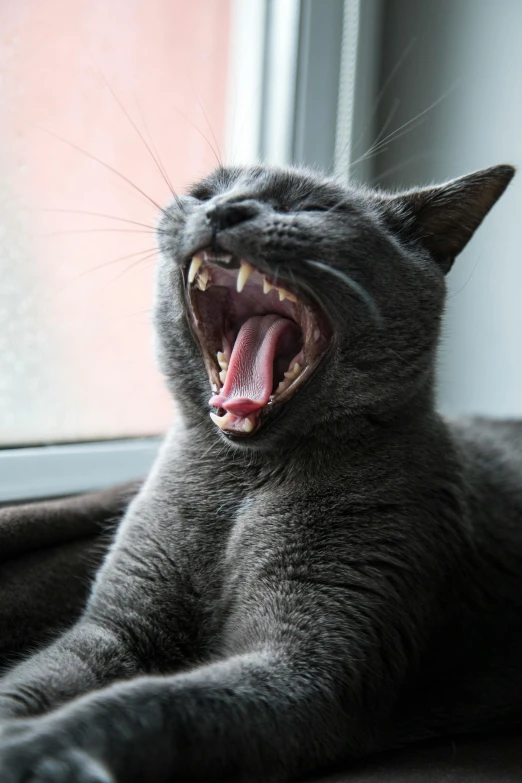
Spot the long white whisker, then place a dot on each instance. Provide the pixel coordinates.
(136, 129)
(355, 287)
(101, 163)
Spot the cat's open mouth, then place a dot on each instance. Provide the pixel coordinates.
(260, 338)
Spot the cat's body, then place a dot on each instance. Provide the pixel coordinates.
(338, 573)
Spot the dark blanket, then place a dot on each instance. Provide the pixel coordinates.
(48, 554)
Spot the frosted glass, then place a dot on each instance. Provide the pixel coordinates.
(76, 359)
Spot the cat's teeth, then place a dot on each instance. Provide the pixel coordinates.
(203, 279)
(286, 295)
(193, 269)
(283, 385)
(283, 293)
(223, 375)
(222, 360)
(267, 287)
(244, 273)
(223, 421)
(290, 375)
(214, 388)
(220, 421)
(247, 425)
(294, 372)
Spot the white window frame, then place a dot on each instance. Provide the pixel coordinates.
(68, 469)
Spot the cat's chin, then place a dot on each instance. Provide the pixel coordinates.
(261, 338)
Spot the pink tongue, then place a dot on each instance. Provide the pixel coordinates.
(249, 380)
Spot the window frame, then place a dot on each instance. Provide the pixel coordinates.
(31, 473)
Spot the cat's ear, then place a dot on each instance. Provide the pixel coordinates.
(444, 217)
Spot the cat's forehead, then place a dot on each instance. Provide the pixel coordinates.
(281, 184)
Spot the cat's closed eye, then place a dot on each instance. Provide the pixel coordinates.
(304, 206)
(202, 195)
(312, 207)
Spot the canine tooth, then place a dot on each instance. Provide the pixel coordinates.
(247, 425)
(203, 279)
(245, 270)
(317, 334)
(214, 388)
(193, 269)
(267, 287)
(220, 421)
(223, 375)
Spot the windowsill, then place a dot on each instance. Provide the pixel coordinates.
(50, 471)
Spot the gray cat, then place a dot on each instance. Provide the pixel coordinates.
(322, 567)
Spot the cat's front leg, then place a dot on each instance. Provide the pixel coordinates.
(140, 618)
(257, 716)
(135, 623)
(313, 671)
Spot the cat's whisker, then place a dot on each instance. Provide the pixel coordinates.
(96, 231)
(148, 250)
(382, 91)
(105, 165)
(353, 285)
(131, 267)
(387, 122)
(159, 161)
(374, 109)
(198, 130)
(378, 146)
(220, 157)
(398, 167)
(137, 130)
(393, 135)
(98, 214)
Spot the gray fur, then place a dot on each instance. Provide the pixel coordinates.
(349, 578)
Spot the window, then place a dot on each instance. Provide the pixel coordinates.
(94, 93)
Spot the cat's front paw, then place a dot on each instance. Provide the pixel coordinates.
(30, 755)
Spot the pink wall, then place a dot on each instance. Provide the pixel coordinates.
(166, 61)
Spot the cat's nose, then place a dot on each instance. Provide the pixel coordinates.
(227, 214)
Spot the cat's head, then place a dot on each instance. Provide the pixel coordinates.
(287, 302)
